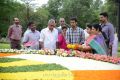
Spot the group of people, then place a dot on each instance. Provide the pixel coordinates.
(99, 37)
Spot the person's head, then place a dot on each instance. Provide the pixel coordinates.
(16, 21)
(103, 17)
(62, 21)
(32, 26)
(96, 28)
(73, 22)
(51, 24)
(55, 23)
(64, 29)
(89, 28)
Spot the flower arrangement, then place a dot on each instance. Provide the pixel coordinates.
(8, 50)
(64, 53)
(78, 47)
(99, 57)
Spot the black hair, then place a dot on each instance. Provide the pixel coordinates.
(105, 14)
(73, 19)
(64, 27)
(89, 26)
(30, 23)
(97, 27)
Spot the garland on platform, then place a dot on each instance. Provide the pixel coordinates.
(64, 53)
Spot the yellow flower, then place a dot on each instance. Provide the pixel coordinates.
(21, 63)
(44, 75)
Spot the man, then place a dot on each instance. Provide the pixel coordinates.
(62, 23)
(28, 29)
(14, 34)
(31, 38)
(75, 35)
(108, 29)
(49, 36)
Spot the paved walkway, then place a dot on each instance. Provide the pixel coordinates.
(72, 63)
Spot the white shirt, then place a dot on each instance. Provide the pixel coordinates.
(32, 38)
(86, 34)
(27, 31)
(49, 38)
(59, 27)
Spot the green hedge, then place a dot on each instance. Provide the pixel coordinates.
(3, 60)
(29, 68)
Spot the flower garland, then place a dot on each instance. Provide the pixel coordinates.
(64, 53)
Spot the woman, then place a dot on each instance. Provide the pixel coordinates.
(61, 39)
(96, 40)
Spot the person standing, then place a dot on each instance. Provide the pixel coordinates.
(31, 38)
(28, 28)
(15, 34)
(108, 30)
(75, 34)
(115, 46)
(62, 23)
(61, 38)
(49, 36)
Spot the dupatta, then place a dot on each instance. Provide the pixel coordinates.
(95, 45)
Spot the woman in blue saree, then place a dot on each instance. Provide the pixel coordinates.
(96, 40)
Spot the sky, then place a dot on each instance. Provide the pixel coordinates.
(41, 2)
(37, 3)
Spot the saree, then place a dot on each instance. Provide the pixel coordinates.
(97, 43)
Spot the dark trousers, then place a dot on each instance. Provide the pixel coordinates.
(15, 44)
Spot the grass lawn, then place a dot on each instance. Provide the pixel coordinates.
(7, 46)
(4, 46)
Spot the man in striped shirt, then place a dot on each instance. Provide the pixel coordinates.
(75, 34)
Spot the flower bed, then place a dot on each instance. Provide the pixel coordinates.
(64, 53)
(20, 69)
(4, 54)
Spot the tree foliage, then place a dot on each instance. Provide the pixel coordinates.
(111, 7)
(86, 11)
(8, 10)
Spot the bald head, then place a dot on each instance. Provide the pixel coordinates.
(16, 21)
(62, 21)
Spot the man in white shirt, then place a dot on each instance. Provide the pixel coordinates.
(31, 38)
(49, 36)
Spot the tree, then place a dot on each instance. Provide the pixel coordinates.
(85, 10)
(111, 7)
(8, 10)
(53, 7)
(41, 17)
